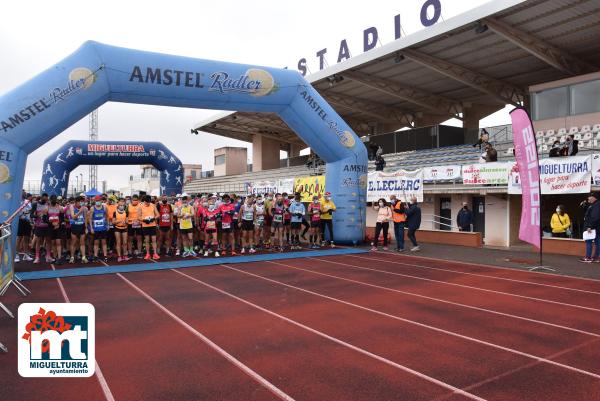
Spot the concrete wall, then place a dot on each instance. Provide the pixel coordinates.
(236, 160)
(265, 153)
(496, 220)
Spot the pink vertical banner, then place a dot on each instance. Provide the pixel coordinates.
(527, 160)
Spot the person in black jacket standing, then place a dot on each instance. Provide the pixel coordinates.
(413, 222)
(464, 219)
(591, 222)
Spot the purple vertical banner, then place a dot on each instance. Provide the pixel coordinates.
(527, 160)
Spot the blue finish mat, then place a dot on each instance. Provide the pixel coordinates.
(177, 264)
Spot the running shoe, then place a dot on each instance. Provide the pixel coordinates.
(373, 248)
(27, 258)
(17, 260)
(232, 253)
(252, 250)
(120, 259)
(156, 256)
(400, 250)
(147, 257)
(36, 260)
(205, 254)
(177, 253)
(415, 249)
(84, 260)
(105, 260)
(332, 244)
(217, 254)
(72, 260)
(243, 251)
(583, 260)
(193, 254)
(385, 248)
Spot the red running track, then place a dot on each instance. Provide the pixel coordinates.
(364, 327)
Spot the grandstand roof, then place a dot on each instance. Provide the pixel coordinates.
(485, 58)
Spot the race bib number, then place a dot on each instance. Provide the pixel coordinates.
(210, 225)
(135, 224)
(278, 218)
(166, 217)
(248, 216)
(260, 219)
(226, 225)
(53, 219)
(98, 223)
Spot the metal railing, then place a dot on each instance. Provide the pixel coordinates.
(435, 224)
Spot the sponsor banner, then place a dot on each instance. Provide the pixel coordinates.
(286, 185)
(402, 183)
(526, 154)
(6, 258)
(486, 173)
(596, 169)
(442, 173)
(558, 175)
(310, 186)
(262, 187)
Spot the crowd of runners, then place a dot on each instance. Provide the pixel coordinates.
(81, 229)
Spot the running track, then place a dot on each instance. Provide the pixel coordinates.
(374, 326)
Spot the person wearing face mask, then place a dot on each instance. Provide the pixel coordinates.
(464, 218)
(327, 209)
(237, 202)
(399, 217)
(98, 224)
(384, 215)
(267, 231)
(41, 230)
(119, 222)
(176, 233)
(56, 224)
(314, 213)
(287, 218)
(148, 214)
(134, 227)
(77, 215)
(211, 214)
(555, 150)
(246, 220)
(200, 223)
(226, 212)
(165, 225)
(260, 213)
(186, 227)
(277, 211)
(297, 212)
(413, 222)
(571, 146)
(560, 223)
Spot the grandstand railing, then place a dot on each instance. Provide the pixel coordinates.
(436, 222)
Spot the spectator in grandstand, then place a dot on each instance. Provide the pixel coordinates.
(484, 138)
(373, 148)
(555, 150)
(399, 217)
(413, 222)
(571, 146)
(384, 215)
(379, 163)
(591, 223)
(560, 223)
(464, 219)
(489, 155)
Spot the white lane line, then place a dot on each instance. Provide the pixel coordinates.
(479, 275)
(462, 285)
(448, 302)
(492, 266)
(415, 323)
(254, 375)
(337, 340)
(101, 380)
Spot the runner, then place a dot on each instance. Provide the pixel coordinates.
(57, 229)
(314, 212)
(210, 228)
(148, 214)
(327, 209)
(227, 211)
(259, 222)
(287, 218)
(200, 223)
(267, 232)
(24, 231)
(186, 227)
(165, 225)
(111, 207)
(77, 217)
(119, 221)
(277, 211)
(237, 231)
(134, 226)
(297, 212)
(98, 223)
(246, 218)
(41, 230)
(176, 233)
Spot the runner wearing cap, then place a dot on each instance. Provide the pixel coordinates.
(327, 209)
(98, 224)
(149, 215)
(314, 213)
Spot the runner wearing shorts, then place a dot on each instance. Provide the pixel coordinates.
(134, 226)
(297, 212)
(277, 211)
(260, 214)
(119, 221)
(227, 211)
(41, 230)
(314, 213)
(246, 219)
(287, 218)
(24, 231)
(165, 225)
(149, 216)
(56, 225)
(186, 227)
(77, 217)
(98, 223)
(210, 228)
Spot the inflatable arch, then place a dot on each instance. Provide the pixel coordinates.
(58, 166)
(46, 105)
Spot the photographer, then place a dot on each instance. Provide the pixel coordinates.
(484, 138)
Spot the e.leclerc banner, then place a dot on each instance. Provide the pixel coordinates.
(558, 175)
(402, 183)
(527, 159)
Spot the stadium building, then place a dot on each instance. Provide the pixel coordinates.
(543, 55)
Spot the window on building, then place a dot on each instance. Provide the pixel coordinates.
(154, 173)
(551, 103)
(220, 159)
(585, 97)
(194, 174)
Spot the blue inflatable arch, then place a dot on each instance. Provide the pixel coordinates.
(46, 105)
(58, 166)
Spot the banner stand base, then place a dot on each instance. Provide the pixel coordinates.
(9, 313)
(540, 268)
(18, 285)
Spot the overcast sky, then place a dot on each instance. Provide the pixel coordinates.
(36, 34)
